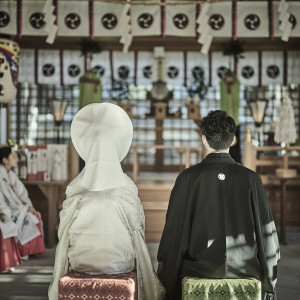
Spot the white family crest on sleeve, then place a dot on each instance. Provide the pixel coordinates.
(221, 176)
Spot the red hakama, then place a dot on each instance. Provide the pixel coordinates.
(9, 253)
(35, 246)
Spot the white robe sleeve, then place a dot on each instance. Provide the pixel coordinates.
(20, 189)
(67, 217)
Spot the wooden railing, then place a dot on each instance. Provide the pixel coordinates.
(183, 149)
(252, 159)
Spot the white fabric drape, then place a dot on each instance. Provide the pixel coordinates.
(272, 67)
(73, 66)
(49, 67)
(180, 20)
(26, 66)
(33, 18)
(220, 19)
(123, 64)
(294, 10)
(293, 67)
(175, 68)
(144, 64)
(220, 64)
(248, 68)
(8, 24)
(101, 66)
(252, 19)
(73, 18)
(146, 20)
(196, 63)
(106, 19)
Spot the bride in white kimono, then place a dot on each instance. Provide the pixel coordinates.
(102, 222)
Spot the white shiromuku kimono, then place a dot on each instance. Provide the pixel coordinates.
(102, 222)
(17, 201)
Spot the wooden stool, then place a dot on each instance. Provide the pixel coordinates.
(75, 285)
(217, 289)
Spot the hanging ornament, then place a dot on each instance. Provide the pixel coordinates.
(50, 19)
(126, 29)
(284, 19)
(204, 29)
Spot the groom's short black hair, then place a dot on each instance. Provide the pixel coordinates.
(219, 129)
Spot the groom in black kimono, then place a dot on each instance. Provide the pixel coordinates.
(219, 223)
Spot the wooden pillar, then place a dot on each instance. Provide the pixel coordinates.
(159, 153)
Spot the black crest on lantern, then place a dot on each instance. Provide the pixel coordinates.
(4, 18)
(273, 71)
(147, 72)
(216, 21)
(109, 21)
(99, 70)
(145, 20)
(173, 72)
(181, 21)
(72, 20)
(48, 70)
(247, 72)
(252, 21)
(123, 72)
(222, 71)
(36, 20)
(73, 70)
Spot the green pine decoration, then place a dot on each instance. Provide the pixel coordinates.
(234, 49)
(89, 47)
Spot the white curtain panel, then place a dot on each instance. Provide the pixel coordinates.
(33, 18)
(175, 68)
(145, 20)
(101, 66)
(252, 19)
(294, 9)
(73, 18)
(123, 64)
(180, 20)
(272, 67)
(293, 74)
(144, 66)
(106, 19)
(26, 66)
(73, 66)
(220, 65)
(248, 69)
(8, 17)
(197, 65)
(220, 19)
(49, 67)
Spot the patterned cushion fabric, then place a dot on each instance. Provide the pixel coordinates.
(76, 285)
(220, 289)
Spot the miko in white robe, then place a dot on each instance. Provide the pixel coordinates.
(102, 222)
(27, 220)
(9, 253)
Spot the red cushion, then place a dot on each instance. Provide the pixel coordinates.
(76, 285)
